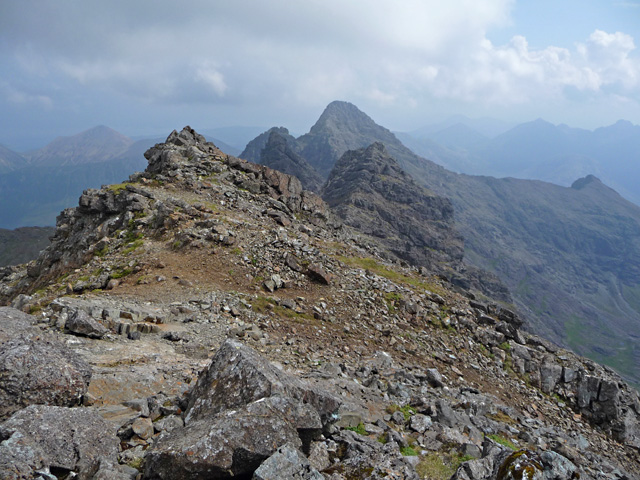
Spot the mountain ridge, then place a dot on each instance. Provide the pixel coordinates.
(174, 292)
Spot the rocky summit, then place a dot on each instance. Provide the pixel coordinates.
(210, 318)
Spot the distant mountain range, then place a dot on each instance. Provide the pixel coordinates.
(538, 150)
(569, 255)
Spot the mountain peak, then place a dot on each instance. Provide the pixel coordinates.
(584, 181)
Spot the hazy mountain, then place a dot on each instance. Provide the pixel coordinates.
(10, 160)
(253, 150)
(91, 146)
(540, 150)
(58, 173)
(235, 137)
(571, 256)
(485, 126)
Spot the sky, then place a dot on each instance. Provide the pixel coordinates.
(149, 66)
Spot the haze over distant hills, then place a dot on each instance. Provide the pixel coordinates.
(538, 150)
(36, 186)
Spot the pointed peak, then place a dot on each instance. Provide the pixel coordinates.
(187, 136)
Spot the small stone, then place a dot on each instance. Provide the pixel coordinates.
(143, 427)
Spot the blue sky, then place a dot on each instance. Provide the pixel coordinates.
(150, 66)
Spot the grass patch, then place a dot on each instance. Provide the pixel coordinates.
(505, 442)
(117, 188)
(121, 272)
(408, 451)
(133, 246)
(360, 430)
(373, 266)
(435, 466)
(407, 410)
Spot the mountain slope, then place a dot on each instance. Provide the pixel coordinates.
(187, 285)
(23, 244)
(10, 160)
(569, 256)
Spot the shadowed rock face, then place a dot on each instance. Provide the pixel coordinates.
(370, 192)
(279, 154)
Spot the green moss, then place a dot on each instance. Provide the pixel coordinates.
(121, 272)
(438, 466)
(133, 246)
(102, 252)
(117, 188)
(373, 266)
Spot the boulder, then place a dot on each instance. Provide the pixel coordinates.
(35, 368)
(59, 441)
(241, 410)
(287, 463)
(233, 443)
(238, 375)
(80, 323)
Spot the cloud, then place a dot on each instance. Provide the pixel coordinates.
(300, 54)
(16, 96)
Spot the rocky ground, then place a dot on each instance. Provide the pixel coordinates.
(210, 319)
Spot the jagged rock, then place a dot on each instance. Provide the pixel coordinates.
(237, 376)
(50, 439)
(242, 409)
(287, 463)
(80, 323)
(35, 368)
(235, 441)
(370, 192)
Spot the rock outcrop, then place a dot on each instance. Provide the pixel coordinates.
(240, 411)
(279, 154)
(370, 192)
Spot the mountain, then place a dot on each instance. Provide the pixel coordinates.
(56, 175)
(96, 145)
(253, 149)
(539, 150)
(341, 127)
(569, 256)
(485, 126)
(10, 160)
(280, 153)
(369, 191)
(185, 326)
(23, 244)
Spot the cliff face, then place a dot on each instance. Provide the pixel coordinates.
(175, 292)
(369, 191)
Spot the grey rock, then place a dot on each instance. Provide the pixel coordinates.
(434, 378)
(420, 423)
(238, 375)
(35, 368)
(235, 442)
(80, 323)
(43, 437)
(287, 463)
